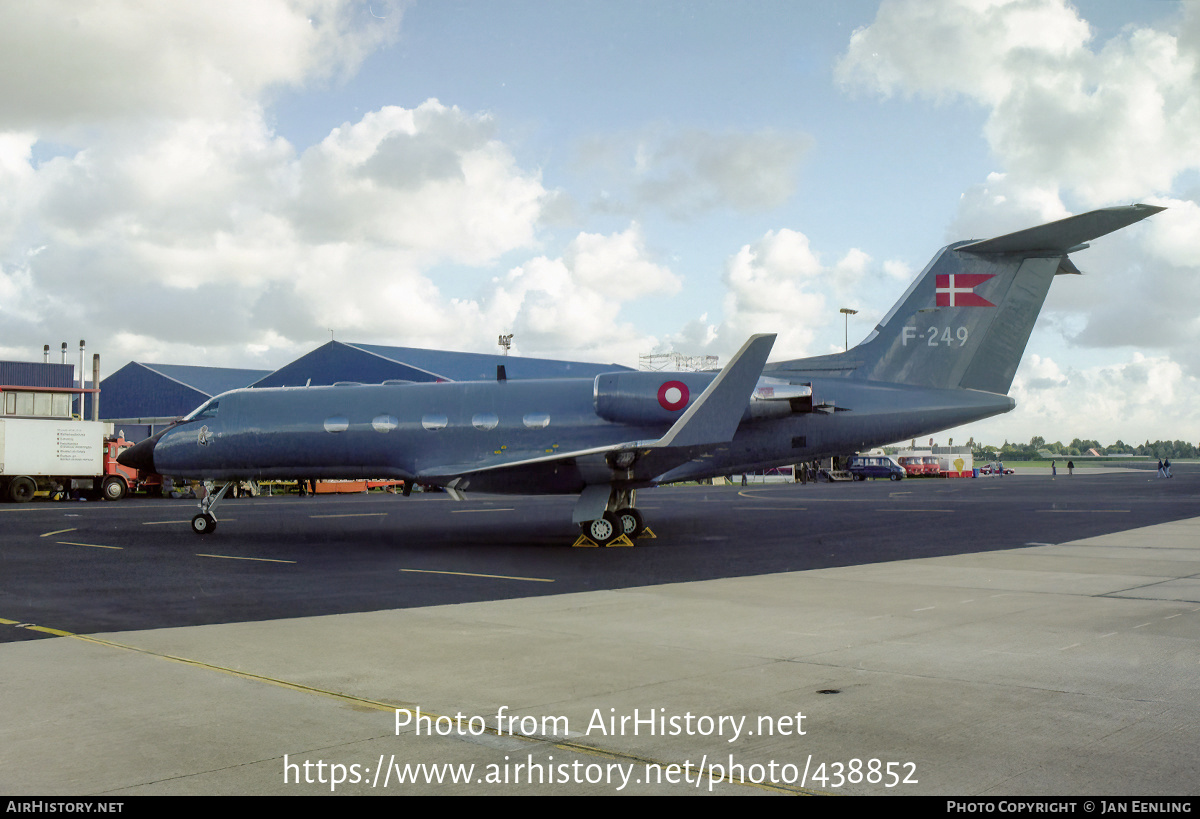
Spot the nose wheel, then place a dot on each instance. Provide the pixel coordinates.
(205, 523)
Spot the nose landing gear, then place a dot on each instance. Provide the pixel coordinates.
(205, 523)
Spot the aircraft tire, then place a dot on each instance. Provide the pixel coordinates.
(630, 522)
(603, 529)
(113, 488)
(204, 524)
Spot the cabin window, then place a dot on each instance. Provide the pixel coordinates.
(337, 423)
(485, 421)
(384, 423)
(434, 422)
(537, 420)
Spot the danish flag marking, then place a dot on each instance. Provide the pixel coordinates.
(958, 289)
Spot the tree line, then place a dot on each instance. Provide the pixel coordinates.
(1038, 449)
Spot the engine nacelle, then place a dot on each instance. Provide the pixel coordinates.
(647, 398)
(654, 399)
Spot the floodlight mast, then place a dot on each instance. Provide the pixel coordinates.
(847, 312)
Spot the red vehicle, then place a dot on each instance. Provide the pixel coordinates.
(994, 469)
(920, 465)
(118, 479)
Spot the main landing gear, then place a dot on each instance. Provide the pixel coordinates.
(205, 523)
(620, 525)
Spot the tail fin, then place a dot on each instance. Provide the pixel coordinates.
(966, 319)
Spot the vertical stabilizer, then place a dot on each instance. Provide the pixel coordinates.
(966, 319)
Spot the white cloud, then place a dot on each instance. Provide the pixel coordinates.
(569, 307)
(1111, 122)
(898, 270)
(1091, 123)
(214, 230)
(688, 172)
(1173, 236)
(779, 285)
(430, 180)
(945, 48)
(67, 65)
(16, 149)
(1143, 397)
(773, 286)
(1004, 204)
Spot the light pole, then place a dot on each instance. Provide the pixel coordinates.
(847, 312)
(505, 342)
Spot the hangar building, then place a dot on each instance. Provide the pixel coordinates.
(140, 399)
(373, 364)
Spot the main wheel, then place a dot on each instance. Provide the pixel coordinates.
(21, 490)
(603, 529)
(204, 524)
(895, 477)
(113, 488)
(630, 522)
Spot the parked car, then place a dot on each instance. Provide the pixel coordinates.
(874, 466)
(994, 469)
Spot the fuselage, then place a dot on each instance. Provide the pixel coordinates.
(531, 436)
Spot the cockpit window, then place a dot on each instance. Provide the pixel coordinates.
(204, 411)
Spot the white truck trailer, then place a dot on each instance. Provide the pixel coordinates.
(55, 455)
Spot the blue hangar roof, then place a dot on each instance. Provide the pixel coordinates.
(140, 390)
(162, 391)
(29, 374)
(372, 364)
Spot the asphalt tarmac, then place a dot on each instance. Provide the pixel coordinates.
(1004, 636)
(135, 564)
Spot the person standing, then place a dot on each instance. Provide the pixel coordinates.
(1070, 467)
(1167, 467)
(1053, 469)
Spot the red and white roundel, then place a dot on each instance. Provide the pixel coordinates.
(673, 395)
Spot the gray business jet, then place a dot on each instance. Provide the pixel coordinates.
(945, 355)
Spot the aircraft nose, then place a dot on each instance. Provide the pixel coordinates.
(140, 456)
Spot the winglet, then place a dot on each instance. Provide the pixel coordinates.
(714, 416)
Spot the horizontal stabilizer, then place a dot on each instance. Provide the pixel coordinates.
(1065, 234)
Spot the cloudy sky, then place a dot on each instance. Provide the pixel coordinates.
(234, 183)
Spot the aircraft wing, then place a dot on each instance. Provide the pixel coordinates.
(707, 424)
